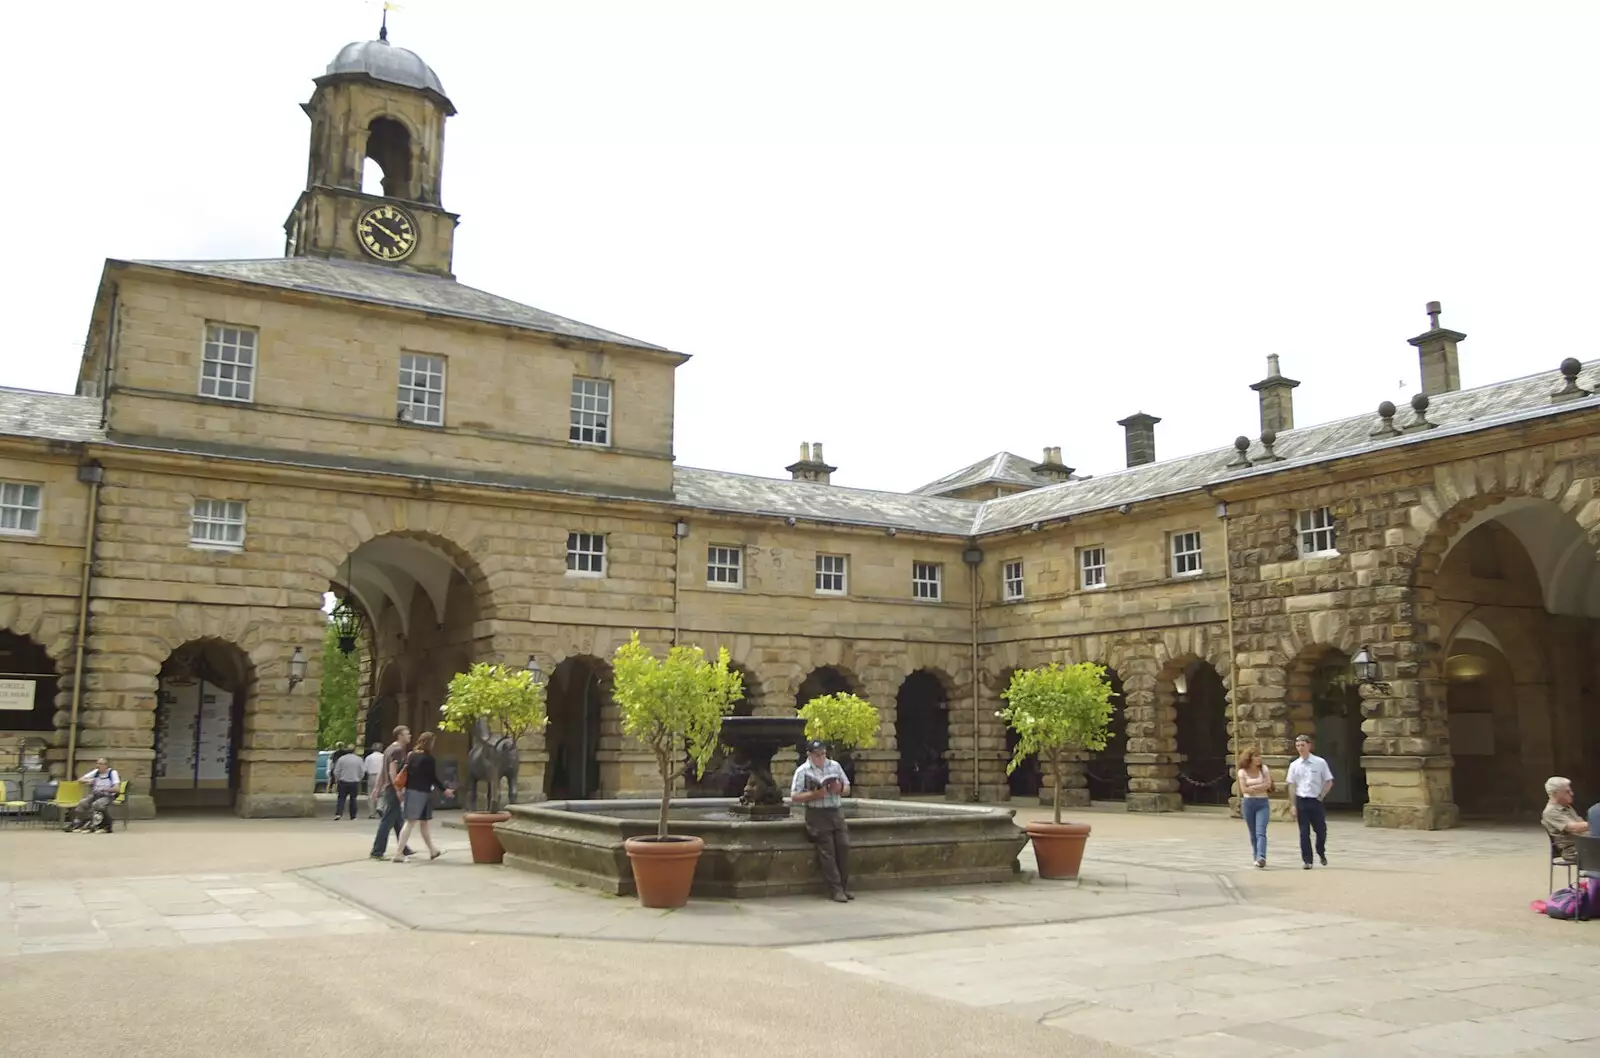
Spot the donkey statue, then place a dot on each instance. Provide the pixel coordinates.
(489, 760)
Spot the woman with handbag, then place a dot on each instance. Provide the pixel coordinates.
(420, 777)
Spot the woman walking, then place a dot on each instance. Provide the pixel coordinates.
(422, 778)
(1255, 783)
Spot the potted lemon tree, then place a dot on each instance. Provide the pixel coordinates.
(845, 722)
(1055, 710)
(500, 706)
(672, 707)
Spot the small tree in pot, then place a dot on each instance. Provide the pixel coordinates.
(844, 721)
(500, 706)
(1055, 710)
(671, 707)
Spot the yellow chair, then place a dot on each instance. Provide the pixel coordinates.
(119, 802)
(68, 794)
(12, 804)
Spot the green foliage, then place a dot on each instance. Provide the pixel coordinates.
(339, 701)
(841, 720)
(674, 705)
(1055, 709)
(509, 699)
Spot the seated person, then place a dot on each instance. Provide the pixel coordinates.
(92, 812)
(1561, 821)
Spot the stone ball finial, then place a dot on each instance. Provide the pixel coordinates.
(1386, 409)
(1570, 368)
(1242, 443)
(1269, 437)
(1419, 403)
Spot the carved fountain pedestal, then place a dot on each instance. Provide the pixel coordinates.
(755, 740)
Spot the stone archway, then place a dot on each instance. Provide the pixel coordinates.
(203, 691)
(822, 680)
(1324, 701)
(1205, 773)
(579, 692)
(922, 731)
(1107, 769)
(719, 779)
(29, 683)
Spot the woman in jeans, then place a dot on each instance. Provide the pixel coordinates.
(1255, 783)
(422, 778)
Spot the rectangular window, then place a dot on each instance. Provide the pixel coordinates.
(831, 574)
(586, 554)
(1012, 576)
(1316, 532)
(228, 366)
(591, 412)
(421, 398)
(1185, 554)
(1091, 568)
(19, 508)
(724, 566)
(925, 578)
(217, 523)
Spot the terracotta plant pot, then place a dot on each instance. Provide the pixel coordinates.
(486, 846)
(663, 868)
(1059, 848)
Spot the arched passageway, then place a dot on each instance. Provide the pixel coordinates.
(202, 693)
(579, 689)
(922, 728)
(1028, 777)
(1324, 701)
(1206, 774)
(28, 685)
(721, 777)
(1107, 770)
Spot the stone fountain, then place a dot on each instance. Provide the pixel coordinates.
(755, 846)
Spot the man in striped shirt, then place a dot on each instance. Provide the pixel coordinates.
(818, 784)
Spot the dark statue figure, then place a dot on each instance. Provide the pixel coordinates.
(488, 761)
(754, 740)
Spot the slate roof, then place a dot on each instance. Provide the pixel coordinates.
(50, 416)
(1006, 467)
(716, 490)
(1452, 413)
(381, 285)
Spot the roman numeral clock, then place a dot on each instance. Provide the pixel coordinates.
(387, 232)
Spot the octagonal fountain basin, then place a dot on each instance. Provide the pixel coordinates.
(893, 844)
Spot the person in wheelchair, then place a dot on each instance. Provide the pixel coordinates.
(94, 811)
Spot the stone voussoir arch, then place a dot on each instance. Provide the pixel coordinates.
(452, 528)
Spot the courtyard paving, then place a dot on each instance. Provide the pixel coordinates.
(1408, 944)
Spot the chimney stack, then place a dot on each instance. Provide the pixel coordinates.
(810, 466)
(1436, 348)
(1051, 466)
(1141, 438)
(1277, 398)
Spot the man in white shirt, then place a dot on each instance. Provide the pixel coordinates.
(818, 784)
(347, 772)
(91, 812)
(373, 767)
(1310, 779)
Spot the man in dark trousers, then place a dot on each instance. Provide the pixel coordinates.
(818, 784)
(394, 758)
(1310, 779)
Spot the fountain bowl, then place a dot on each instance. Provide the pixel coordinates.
(893, 844)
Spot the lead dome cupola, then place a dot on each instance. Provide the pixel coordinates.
(382, 61)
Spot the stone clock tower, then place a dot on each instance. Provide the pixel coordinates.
(381, 102)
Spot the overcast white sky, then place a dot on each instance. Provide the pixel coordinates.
(919, 232)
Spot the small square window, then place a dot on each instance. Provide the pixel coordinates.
(832, 574)
(217, 524)
(1011, 576)
(228, 363)
(586, 554)
(1091, 568)
(724, 566)
(925, 580)
(591, 411)
(1316, 532)
(19, 508)
(421, 395)
(1185, 554)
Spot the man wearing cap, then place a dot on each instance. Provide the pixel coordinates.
(1310, 779)
(818, 784)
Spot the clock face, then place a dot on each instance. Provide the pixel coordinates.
(387, 233)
